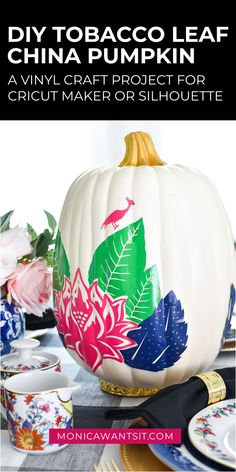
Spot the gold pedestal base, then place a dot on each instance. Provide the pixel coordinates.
(126, 391)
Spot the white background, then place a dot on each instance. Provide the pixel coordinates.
(40, 159)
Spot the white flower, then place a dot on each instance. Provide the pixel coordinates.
(14, 243)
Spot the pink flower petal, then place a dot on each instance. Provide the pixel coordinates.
(93, 324)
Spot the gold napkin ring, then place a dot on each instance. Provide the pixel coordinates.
(215, 386)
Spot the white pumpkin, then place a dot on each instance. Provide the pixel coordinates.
(148, 256)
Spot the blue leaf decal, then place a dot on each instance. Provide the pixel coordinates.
(230, 313)
(27, 425)
(69, 423)
(161, 338)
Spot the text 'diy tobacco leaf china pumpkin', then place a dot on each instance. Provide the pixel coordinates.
(142, 288)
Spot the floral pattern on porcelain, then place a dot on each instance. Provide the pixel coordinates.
(24, 367)
(30, 430)
(205, 431)
(4, 375)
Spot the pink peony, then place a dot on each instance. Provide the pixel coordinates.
(14, 243)
(93, 324)
(31, 286)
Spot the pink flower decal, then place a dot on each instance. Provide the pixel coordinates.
(93, 324)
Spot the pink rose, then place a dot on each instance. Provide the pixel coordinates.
(14, 243)
(31, 286)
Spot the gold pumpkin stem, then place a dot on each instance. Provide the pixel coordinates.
(140, 151)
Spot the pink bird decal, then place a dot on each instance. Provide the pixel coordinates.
(117, 215)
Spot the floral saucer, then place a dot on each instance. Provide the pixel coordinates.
(212, 432)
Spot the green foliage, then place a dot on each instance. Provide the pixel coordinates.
(5, 221)
(41, 244)
(61, 266)
(31, 232)
(51, 221)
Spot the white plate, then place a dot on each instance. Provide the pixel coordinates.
(212, 432)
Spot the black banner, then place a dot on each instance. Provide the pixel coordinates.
(92, 70)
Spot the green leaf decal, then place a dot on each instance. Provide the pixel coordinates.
(61, 265)
(119, 266)
(146, 297)
(118, 259)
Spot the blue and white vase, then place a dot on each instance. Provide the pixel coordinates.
(12, 325)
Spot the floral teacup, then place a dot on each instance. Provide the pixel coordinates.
(24, 360)
(36, 402)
